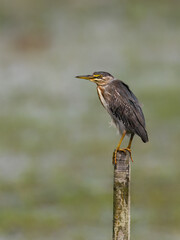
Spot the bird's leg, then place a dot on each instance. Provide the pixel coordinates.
(129, 146)
(118, 148)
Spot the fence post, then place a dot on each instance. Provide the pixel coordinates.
(121, 197)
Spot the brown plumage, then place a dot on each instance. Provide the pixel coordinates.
(122, 105)
(124, 108)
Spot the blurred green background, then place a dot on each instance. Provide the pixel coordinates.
(55, 141)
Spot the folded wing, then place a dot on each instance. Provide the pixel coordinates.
(126, 108)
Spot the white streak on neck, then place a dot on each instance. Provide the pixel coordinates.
(102, 99)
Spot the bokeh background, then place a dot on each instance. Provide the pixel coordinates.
(55, 141)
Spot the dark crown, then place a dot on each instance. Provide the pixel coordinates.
(104, 74)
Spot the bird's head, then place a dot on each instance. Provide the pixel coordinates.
(100, 78)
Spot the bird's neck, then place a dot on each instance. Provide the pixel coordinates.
(100, 91)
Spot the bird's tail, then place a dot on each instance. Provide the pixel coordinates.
(144, 135)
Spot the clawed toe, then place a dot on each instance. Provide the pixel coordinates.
(114, 160)
(129, 150)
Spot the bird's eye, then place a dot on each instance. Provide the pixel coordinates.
(99, 76)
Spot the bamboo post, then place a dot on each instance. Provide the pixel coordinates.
(121, 197)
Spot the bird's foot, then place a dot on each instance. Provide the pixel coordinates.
(114, 160)
(129, 150)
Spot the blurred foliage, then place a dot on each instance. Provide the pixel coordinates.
(55, 144)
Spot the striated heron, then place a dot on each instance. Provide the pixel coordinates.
(122, 105)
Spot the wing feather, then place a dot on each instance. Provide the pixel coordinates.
(125, 106)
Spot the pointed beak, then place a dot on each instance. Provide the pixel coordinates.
(88, 77)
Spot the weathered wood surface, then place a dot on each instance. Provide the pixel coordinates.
(121, 198)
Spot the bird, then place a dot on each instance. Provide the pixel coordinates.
(123, 107)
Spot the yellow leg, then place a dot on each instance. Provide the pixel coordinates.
(123, 149)
(118, 148)
(129, 146)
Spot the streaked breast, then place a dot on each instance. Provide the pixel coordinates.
(100, 91)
